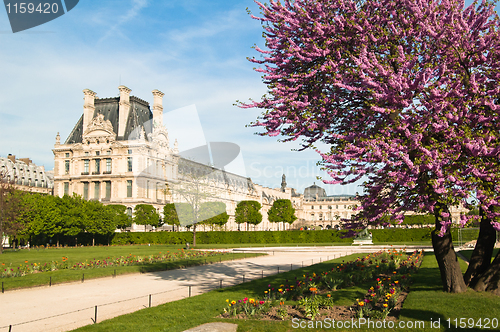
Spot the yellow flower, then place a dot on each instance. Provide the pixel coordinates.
(385, 305)
(227, 301)
(361, 303)
(280, 290)
(251, 300)
(265, 292)
(233, 302)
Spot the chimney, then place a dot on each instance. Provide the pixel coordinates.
(124, 109)
(88, 107)
(158, 107)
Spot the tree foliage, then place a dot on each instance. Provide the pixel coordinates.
(404, 94)
(145, 214)
(282, 211)
(170, 216)
(119, 214)
(248, 211)
(214, 213)
(10, 208)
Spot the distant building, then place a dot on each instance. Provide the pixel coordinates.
(317, 210)
(27, 176)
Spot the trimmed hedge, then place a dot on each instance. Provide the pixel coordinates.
(401, 234)
(271, 237)
(152, 237)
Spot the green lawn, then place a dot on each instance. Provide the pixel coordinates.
(468, 253)
(12, 259)
(425, 302)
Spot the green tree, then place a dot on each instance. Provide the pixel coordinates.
(248, 212)
(41, 217)
(98, 219)
(170, 216)
(73, 213)
(145, 214)
(282, 211)
(120, 217)
(213, 213)
(10, 208)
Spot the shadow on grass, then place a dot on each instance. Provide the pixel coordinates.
(434, 321)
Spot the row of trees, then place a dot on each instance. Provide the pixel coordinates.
(214, 213)
(37, 218)
(405, 95)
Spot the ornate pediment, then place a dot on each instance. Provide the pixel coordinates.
(99, 131)
(99, 124)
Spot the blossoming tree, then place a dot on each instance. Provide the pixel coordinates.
(404, 93)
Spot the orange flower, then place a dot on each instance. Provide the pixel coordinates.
(328, 295)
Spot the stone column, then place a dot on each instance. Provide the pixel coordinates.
(88, 107)
(158, 107)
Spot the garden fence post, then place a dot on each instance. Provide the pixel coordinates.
(221, 283)
(83, 277)
(2, 287)
(291, 267)
(320, 259)
(50, 281)
(262, 273)
(114, 274)
(10, 328)
(190, 291)
(95, 316)
(150, 300)
(278, 270)
(243, 278)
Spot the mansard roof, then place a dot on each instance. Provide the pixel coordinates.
(140, 116)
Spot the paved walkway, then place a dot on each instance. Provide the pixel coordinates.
(68, 306)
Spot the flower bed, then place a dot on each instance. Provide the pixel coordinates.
(30, 268)
(390, 271)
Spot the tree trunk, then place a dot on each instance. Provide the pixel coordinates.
(481, 256)
(451, 275)
(490, 280)
(194, 235)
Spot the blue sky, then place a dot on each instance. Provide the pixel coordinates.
(194, 51)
